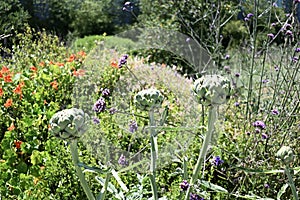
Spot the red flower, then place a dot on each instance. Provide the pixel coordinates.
(18, 144)
(54, 84)
(8, 103)
(1, 92)
(18, 90)
(71, 58)
(4, 70)
(114, 64)
(33, 68)
(7, 79)
(42, 64)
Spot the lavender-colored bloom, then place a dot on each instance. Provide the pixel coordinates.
(276, 68)
(112, 111)
(96, 120)
(287, 26)
(237, 74)
(236, 104)
(297, 49)
(128, 6)
(100, 105)
(266, 185)
(265, 81)
(133, 126)
(217, 161)
(264, 136)
(289, 33)
(105, 92)
(257, 130)
(227, 56)
(295, 59)
(275, 112)
(259, 124)
(123, 60)
(195, 197)
(188, 39)
(184, 185)
(227, 69)
(246, 19)
(250, 15)
(122, 160)
(270, 35)
(273, 24)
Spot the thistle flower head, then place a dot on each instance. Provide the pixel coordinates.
(286, 154)
(148, 99)
(211, 90)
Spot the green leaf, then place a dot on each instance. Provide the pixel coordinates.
(282, 191)
(213, 186)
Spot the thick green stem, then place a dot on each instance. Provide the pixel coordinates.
(212, 117)
(75, 158)
(104, 189)
(153, 141)
(291, 183)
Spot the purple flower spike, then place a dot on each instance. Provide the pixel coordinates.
(122, 160)
(227, 56)
(133, 126)
(250, 15)
(275, 112)
(259, 124)
(96, 120)
(236, 104)
(289, 33)
(217, 161)
(123, 60)
(264, 136)
(195, 197)
(100, 105)
(106, 92)
(270, 35)
(184, 185)
(297, 50)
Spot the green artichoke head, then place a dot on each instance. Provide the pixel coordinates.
(148, 99)
(69, 123)
(286, 154)
(211, 90)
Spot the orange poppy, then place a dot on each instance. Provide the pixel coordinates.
(1, 92)
(81, 53)
(71, 58)
(12, 127)
(18, 144)
(42, 64)
(114, 64)
(4, 70)
(8, 103)
(7, 79)
(78, 73)
(18, 90)
(54, 84)
(33, 68)
(60, 64)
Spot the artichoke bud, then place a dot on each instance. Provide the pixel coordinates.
(211, 90)
(148, 99)
(68, 123)
(286, 154)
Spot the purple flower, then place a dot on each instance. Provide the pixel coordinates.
(184, 185)
(264, 136)
(105, 92)
(246, 19)
(250, 15)
(265, 81)
(270, 35)
(266, 185)
(217, 161)
(227, 56)
(123, 60)
(289, 33)
(112, 111)
(276, 68)
(236, 104)
(100, 105)
(275, 112)
(227, 69)
(133, 126)
(295, 59)
(96, 120)
(259, 124)
(257, 130)
(188, 39)
(195, 197)
(297, 50)
(237, 74)
(128, 6)
(273, 24)
(122, 160)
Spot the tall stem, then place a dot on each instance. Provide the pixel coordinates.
(212, 117)
(153, 141)
(75, 158)
(291, 183)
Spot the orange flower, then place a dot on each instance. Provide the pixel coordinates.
(33, 68)
(60, 64)
(114, 64)
(12, 127)
(78, 73)
(7, 79)
(1, 92)
(54, 84)
(42, 64)
(45, 102)
(22, 84)
(18, 144)
(71, 58)
(18, 90)
(4, 70)
(81, 53)
(8, 103)
(1, 75)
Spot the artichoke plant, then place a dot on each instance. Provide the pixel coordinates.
(68, 123)
(211, 90)
(148, 99)
(286, 154)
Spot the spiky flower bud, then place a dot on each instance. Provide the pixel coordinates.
(68, 123)
(286, 154)
(148, 99)
(211, 90)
